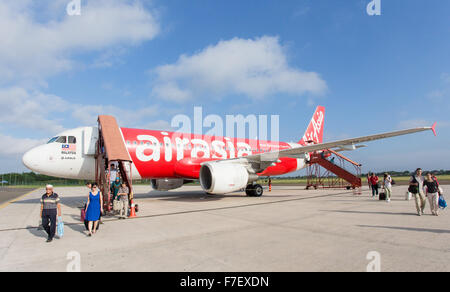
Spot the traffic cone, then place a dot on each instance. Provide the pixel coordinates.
(270, 187)
(133, 210)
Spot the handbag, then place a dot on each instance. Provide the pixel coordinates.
(117, 205)
(408, 196)
(83, 214)
(442, 202)
(60, 227)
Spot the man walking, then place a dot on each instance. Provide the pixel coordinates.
(123, 198)
(50, 208)
(416, 188)
(374, 184)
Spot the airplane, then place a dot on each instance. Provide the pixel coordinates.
(171, 159)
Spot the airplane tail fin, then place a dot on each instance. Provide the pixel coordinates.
(314, 132)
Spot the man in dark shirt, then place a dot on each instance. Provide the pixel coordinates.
(50, 208)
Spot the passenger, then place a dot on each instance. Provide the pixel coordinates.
(115, 186)
(94, 208)
(416, 188)
(387, 185)
(368, 180)
(123, 198)
(374, 184)
(112, 173)
(50, 208)
(431, 188)
(89, 185)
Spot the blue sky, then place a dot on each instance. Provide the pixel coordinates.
(146, 61)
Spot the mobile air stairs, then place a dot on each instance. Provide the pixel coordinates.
(111, 150)
(329, 169)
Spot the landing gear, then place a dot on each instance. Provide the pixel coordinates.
(254, 190)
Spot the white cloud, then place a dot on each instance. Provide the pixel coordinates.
(39, 111)
(252, 67)
(34, 110)
(10, 145)
(33, 50)
(87, 114)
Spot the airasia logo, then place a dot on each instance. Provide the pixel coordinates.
(315, 128)
(150, 148)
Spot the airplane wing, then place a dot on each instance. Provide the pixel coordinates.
(261, 161)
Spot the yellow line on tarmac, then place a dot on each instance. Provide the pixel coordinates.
(4, 205)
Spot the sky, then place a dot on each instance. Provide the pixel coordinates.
(146, 61)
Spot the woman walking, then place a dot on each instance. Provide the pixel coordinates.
(387, 184)
(431, 188)
(94, 208)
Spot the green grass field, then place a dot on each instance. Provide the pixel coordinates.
(275, 181)
(398, 179)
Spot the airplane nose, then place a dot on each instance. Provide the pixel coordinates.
(29, 159)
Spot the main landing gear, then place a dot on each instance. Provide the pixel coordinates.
(254, 190)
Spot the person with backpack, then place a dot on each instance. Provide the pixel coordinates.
(431, 188)
(387, 185)
(416, 188)
(374, 184)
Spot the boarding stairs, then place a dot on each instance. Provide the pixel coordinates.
(111, 150)
(330, 169)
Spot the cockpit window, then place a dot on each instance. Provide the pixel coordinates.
(61, 139)
(72, 140)
(52, 140)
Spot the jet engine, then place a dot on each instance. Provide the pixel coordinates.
(221, 178)
(167, 184)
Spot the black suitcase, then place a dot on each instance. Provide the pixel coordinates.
(382, 196)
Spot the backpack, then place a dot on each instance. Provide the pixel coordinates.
(413, 189)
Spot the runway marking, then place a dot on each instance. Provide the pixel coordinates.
(190, 211)
(4, 205)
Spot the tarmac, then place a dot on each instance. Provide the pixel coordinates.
(288, 229)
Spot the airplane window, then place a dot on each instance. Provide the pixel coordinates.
(52, 140)
(72, 140)
(61, 139)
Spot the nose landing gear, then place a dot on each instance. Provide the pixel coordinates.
(254, 190)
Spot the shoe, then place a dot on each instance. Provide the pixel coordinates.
(49, 240)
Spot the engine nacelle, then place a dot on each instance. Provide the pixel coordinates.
(167, 184)
(222, 178)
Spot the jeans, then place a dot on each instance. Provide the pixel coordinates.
(374, 190)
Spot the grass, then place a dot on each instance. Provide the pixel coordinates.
(275, 181)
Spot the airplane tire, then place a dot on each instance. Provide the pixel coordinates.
(254, 190)
(258, 190)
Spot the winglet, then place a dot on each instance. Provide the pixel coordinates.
(433, 128)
